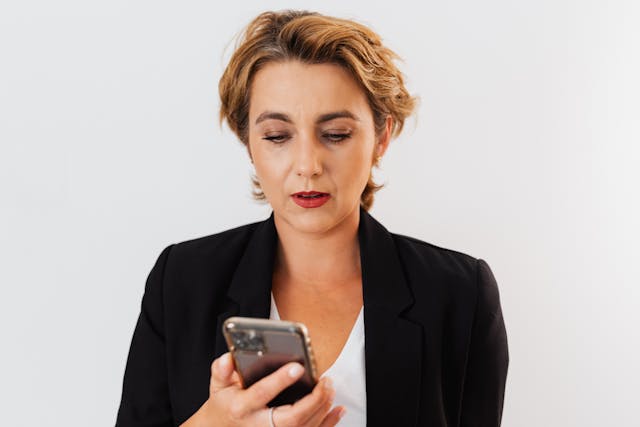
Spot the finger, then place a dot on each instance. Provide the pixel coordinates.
(333, 417)
(320, 413)
(235, 378)
(263, 391)
(312, 408)
(221, 373)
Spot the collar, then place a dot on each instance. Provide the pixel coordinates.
(384, 284)
(392, 343)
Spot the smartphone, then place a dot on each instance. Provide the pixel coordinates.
(261, 346)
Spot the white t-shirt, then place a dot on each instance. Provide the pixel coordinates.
(347, 374)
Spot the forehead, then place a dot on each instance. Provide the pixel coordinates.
(306, 89)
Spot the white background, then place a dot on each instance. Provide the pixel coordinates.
(525, 153)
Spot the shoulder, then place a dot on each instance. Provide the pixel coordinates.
(227, 239)
(198, 271)
(450, 274)
(421, 254)
(210, 253)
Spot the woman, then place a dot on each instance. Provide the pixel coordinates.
(411, 334)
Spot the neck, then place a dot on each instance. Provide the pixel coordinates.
(321, 261)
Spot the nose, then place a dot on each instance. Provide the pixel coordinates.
(308, 157)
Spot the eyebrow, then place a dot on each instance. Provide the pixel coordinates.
(321, 119)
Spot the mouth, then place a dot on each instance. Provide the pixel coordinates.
(309, 194)
(310, 199)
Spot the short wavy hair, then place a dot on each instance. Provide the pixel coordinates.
(313, 38)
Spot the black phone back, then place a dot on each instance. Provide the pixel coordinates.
(259, 347)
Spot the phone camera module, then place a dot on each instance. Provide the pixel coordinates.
(247, 341)
(256, 343)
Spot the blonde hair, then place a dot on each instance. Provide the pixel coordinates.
(313, 38)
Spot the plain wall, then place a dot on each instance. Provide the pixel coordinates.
(524, 152)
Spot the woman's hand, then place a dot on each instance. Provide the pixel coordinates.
(231, 405)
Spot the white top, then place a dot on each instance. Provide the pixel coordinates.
(347, 374)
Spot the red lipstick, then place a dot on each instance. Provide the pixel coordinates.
(310, 199)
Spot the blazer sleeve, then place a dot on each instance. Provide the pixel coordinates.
(145, 391)
(488, 357)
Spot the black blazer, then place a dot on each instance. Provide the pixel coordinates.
(435, 342)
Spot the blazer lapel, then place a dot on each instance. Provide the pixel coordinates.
(393, 345)
(249, 293)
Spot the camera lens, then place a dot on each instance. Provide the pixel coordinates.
(240, 340)
(256, 343)
(247, 340)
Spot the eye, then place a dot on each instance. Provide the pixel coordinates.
(336, 138)
(276, 139)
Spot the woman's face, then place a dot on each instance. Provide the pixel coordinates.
(311, 130)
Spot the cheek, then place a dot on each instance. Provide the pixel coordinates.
(355, 169)
(270, 170)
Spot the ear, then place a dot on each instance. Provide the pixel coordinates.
(249, 153)
(385, 138)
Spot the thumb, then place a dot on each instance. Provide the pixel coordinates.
(221, 373)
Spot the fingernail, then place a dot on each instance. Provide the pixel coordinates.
(328, 383)
(295, 370)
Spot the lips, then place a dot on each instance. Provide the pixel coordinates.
(310, 199)
(309, 194)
